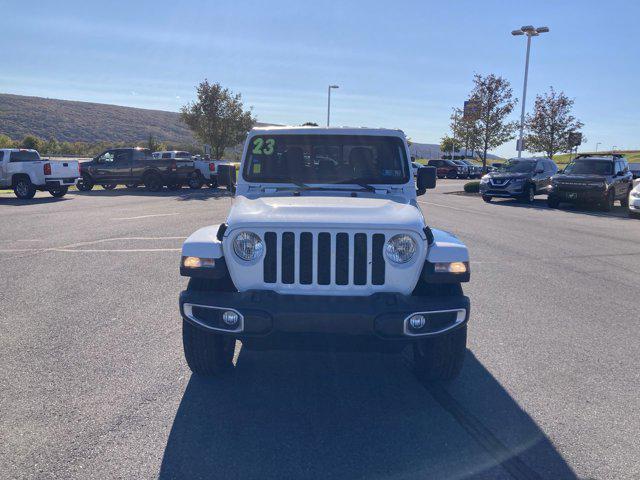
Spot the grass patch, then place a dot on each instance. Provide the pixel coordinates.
(632, 156)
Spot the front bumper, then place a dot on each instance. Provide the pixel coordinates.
(60, 182)
(634, 204)
(267, 313)
(511, 189)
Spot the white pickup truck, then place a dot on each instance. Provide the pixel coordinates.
(25, 172)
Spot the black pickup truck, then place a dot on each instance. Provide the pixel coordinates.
(136, 166)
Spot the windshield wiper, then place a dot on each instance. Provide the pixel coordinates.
(362, 185)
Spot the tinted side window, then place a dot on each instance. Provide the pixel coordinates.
(1, 156)
(24, 157)
(166, 155)
(106, 157)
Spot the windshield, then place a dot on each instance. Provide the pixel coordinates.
(517, 166)
(328, 159)
(589, 167)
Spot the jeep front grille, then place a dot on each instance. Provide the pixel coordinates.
(324, 258)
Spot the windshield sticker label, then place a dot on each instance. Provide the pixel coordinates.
(257, 168)
(263, 147)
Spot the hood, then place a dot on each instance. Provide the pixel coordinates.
(325, 211)
(506, 175)
(579, 178)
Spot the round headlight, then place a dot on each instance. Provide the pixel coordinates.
(400, 248)
(248, 246)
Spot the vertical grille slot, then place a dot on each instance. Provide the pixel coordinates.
(360, 259)
(270, 264)
(324, 258)
(377, 260)
(342, 259)
(306, 258)
(288, 257)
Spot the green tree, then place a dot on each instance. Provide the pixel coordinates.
(218, 117)
(495, 97)
(447, 144)
(551, 123)
(51, 146)
(32, 142)
(466, 130)
(5, 141)
(309, 124)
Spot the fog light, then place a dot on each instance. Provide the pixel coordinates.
(197, 262)
(417, 321)
(230, 318)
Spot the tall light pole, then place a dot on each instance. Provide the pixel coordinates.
(329, 102)
(455, 125)
(529, 31)
(597, 144)
(613, 149)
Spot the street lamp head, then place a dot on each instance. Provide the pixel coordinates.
(528, 29)
(515, 33)
(334, 86)
(542, 29)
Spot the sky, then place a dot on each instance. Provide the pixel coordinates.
(398, 64)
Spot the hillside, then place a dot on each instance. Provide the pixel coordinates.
(89, 122)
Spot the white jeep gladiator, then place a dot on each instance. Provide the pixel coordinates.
(25, 172)
(325, 247)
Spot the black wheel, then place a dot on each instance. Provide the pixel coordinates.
(174, 186)
(624, 201)
(195, 181)
(633, 214)
(207, 353)
(109, 186)
(85, 183)
(487, 198)
(553, 202)
(152, 182)
(24, 189)
(131, 186)
(529, 194)
(440, 358)
(58, 192)
(607, 205)
(452, 175)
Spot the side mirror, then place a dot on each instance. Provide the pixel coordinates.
(426, 178)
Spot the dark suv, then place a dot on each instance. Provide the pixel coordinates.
(522, 178)
(447, 168)
(599, 180)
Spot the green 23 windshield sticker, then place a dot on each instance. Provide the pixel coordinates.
(263, 147)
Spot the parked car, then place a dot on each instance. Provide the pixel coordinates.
(135, 166)
(475, 171)
(183, 158)
(316, 254)
(522, 178)
(446, 168)
(25, 172)
(591, 179)
(634, 168)
(634, 202)
(465, 172)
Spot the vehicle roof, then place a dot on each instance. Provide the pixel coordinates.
(530, 159)
(170, 151)
(18, 150)
(606, 158)
(290, 130)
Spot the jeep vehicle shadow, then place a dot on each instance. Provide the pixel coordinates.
(181, 194)
(583, 209)
(322, 415)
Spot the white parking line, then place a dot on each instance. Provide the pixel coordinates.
(146, 216)
(127, 250)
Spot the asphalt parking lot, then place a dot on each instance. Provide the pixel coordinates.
(94, 384)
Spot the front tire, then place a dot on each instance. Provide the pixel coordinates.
(109, 186)
(207, 354)
(607, 205)
(24, 189)
(58, 192)
(529, 194)
(553, 202)
(438, 359)
(624, 201)
(487, 198)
